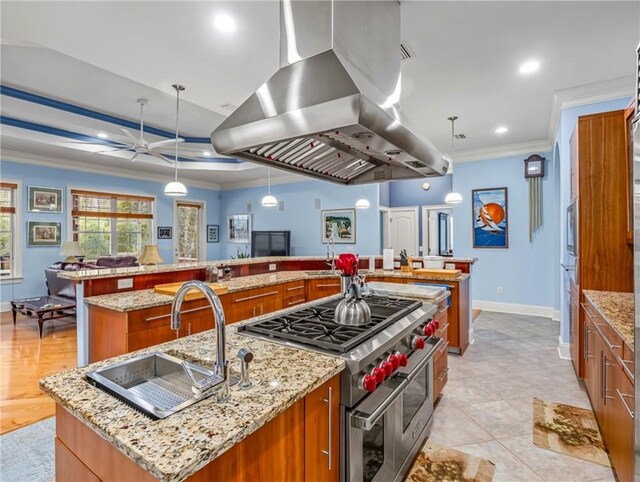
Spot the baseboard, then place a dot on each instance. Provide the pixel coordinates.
(5, 306)
(556, 315)
(516, 309)
(563, 349)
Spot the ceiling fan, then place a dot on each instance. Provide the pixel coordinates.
(139, 145)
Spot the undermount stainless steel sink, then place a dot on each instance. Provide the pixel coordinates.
(155, 384)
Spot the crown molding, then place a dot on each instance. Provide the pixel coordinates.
(587, 94)
(58, 163)
(507, 150)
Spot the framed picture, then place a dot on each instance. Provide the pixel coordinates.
(45, 200)
(339, 225)
(490, 218)
(239, 228)
(213, 233)
(165, 232)
(43, 234)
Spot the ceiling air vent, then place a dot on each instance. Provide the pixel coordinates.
(416, 164)
(405, 51)
(229, 107)
(460, 136)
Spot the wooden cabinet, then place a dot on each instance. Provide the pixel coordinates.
(322, 433)
(610, 389)
(320, 288)
(113, 333)
(294, 293)
(441, 358)
(250, 303)
(299, 444)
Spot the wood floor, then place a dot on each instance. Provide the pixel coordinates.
(24, 359)
(475, 314)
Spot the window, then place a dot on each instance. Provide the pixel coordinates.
(189, 231)
(9, 244)
(107, 224)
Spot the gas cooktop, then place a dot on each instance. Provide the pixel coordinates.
(314, 326)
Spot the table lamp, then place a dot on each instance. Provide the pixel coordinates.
(150, 255)
(72, 250)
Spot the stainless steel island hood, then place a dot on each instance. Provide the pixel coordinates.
(330, 111)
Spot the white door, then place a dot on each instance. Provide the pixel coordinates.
(403, 231)
(188, 232)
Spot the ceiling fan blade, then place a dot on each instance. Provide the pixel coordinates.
(128, 133)
(133, 158)
(113, 149)
(168, 142)
(160, 156)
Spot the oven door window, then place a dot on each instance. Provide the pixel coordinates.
(373, 451)
(414, 396)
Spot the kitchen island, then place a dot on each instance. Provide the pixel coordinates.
(100, 438)
(122, 322)
(95, 282)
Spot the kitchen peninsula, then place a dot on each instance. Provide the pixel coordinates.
(110, 293)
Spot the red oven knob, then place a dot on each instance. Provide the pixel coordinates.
(387, 367)
(393, 359)
(403, 359)
(436, 323)
(417, 343)
(368, 382)
(379, 374)
(428, 330)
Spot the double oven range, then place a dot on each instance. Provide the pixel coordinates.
(387, 389)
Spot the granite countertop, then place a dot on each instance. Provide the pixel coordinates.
(88, 274)
(176, 447)
(616, 308)
(142, 299)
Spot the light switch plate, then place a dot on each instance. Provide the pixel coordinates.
(272, 267)
(450, 266)
(396, 264)
(125, 283)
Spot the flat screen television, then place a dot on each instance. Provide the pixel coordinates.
(572, 229)
(270, 243)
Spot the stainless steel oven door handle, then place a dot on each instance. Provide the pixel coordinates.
(422, 363)
(366, 421)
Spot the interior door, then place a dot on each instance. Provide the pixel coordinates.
(189, 232)
(403, 231)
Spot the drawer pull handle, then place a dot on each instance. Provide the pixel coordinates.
(254, 297)
(586, 310)
(624, 364)
(443, 310)
(606, 340)
(329, 401)
(168, 315)
(443, 328)
(296, 302)
(444, 374)
(622, 397)
(334, 285)
(295, 288)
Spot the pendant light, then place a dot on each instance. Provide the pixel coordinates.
(363, 202)
(269, 201)
(453, 197)
(175, 187)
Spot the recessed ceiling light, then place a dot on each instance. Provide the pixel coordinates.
(206, 153)
(529, 67)
(501, 130)
(102, 135)
(224, 23)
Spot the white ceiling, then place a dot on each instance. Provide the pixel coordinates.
(103, 55)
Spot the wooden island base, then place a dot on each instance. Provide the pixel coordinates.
(288, 448)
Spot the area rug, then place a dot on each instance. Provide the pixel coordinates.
(568, 430)
(436, 463)
(28, 454)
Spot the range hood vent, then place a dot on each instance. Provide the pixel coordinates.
(330, 111)
(405, 51)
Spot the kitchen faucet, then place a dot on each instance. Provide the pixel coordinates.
(331, 254)
(221, 366)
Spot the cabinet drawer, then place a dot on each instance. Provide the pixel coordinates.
(293, 290)
(256, 295)
(320, 288)
(293, 301)
(158, 316)
(440, 372)
(150, 337)
(627, 362)
(443, 331)
(441, 314)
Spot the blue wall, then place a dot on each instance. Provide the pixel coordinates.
(568, 121)
(525, 269)
(35, 259)
(302, 218)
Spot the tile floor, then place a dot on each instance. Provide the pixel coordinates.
(486, 409)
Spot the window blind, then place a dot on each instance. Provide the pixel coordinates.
(109, 205)
(8, 197)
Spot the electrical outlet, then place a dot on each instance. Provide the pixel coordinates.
(272, 267)
(499, 290)
(125, 283)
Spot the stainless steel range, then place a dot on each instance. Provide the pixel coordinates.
(387, 388)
